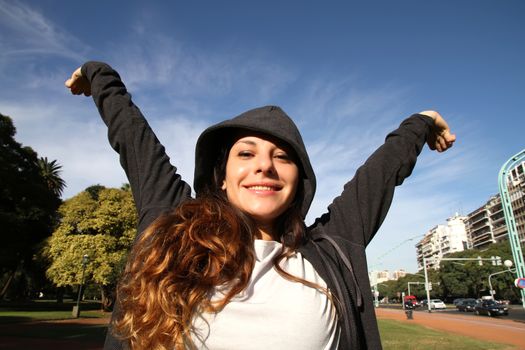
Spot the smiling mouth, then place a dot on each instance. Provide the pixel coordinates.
(263, 188)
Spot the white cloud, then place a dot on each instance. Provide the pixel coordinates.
(349, 133)
(73, 133)
(180, 72)
(28, 32)
(179, 137)
(182, 88)
(342, 126)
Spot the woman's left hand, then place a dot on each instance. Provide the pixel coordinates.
(440, 139)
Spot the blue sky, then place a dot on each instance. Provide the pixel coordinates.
(348, 72)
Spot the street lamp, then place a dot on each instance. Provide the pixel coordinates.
(507, 264)
(76, 309)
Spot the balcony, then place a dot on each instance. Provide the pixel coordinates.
(483, 237)
(477, 218)
(499, 230)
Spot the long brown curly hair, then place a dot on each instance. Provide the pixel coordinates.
(178, 261)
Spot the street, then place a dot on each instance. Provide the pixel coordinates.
(516, 313)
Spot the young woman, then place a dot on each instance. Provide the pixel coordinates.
(236, 268)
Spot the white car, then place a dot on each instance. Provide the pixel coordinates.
(437, 304)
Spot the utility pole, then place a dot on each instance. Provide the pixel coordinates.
(508, 264)
(409, 283)
(426, 284)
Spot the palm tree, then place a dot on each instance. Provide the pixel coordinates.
(50, 171)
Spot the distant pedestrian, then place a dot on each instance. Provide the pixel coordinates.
(409, 309)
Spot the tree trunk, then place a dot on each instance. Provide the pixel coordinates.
(60, 295)
(7, 284)
(107, 293)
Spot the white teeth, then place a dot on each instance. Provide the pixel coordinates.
(261, 188)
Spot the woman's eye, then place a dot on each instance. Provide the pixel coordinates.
(244, 154)
(282, 156)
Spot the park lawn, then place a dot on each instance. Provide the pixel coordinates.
(397, 335)
(25, 324)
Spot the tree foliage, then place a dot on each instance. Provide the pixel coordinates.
(462, 279)
(27, 206)
(459, 279)
(50, 171)
(100, 223)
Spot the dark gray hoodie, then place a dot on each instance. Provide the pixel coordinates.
(335, 243)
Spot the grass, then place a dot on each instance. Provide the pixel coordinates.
(397, 335)
(46, 310)
(17, 321)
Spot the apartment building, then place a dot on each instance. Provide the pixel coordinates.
(397, 274)
(442, 240)
(481, 227)
(486, 225)
(378, 276)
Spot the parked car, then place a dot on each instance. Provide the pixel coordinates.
(437, 304)
(466, 305)
(491, 308)
(458, 300)
(434, 304)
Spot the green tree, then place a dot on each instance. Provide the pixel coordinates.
(99, 222)
(50, 171)
(469, 279)
(27, 212)
(415, 289)
(391, 289)
(418, 290)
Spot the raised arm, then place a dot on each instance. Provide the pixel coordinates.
(155, 184)
(359, 211)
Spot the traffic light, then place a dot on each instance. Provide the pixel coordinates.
(496, 260)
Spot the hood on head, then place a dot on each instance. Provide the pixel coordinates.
(270, 120)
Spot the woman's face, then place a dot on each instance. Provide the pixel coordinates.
(261, 177)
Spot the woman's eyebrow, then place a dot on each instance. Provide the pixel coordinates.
(248, 142)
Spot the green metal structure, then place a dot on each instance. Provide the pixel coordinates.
(509, 216)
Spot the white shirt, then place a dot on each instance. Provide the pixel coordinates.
(273, 312)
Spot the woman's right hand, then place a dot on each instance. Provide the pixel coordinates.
(78, 84)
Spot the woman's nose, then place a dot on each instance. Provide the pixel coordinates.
(265, 165)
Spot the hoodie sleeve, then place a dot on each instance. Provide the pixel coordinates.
(155, 183)
(359, 211)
